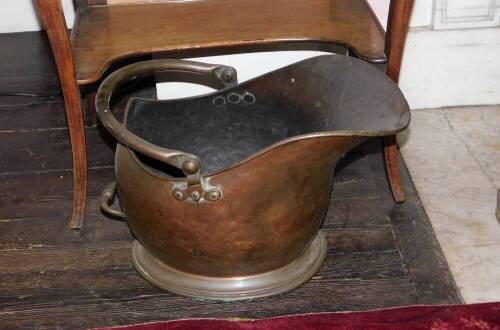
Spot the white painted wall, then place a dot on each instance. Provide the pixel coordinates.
(381, 9)
(452, 55)
(21, 15)
(451, 68)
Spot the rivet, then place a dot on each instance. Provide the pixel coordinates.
(178, 195)
(195, 195)
(214, 195)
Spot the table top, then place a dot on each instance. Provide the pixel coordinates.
(105, 34)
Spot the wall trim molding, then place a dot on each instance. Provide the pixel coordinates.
(466, 14)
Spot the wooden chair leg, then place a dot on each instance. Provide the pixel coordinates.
(52, 16)
(392, 167)
(399, 17)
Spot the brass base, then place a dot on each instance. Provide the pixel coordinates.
(231, 288)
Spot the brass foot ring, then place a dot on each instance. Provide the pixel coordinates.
(230, 289)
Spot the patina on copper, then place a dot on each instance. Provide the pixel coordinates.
(226, 192)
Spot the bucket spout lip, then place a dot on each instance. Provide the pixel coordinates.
(357, 137)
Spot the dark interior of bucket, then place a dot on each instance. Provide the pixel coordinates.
(323, 94)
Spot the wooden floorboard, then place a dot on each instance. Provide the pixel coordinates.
(34, 150)
(27, 66)
(43, 115)
(144, 306)
(46, 194)
(380, 254)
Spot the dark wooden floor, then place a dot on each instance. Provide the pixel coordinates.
(380, 254)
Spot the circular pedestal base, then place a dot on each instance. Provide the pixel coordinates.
(231, 288)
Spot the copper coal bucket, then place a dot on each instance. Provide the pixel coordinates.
(225, 193)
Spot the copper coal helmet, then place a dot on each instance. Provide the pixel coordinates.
(226, 192)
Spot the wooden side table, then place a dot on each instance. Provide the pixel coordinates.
(108, 31)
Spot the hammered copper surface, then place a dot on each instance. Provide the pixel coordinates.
(271, 209)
